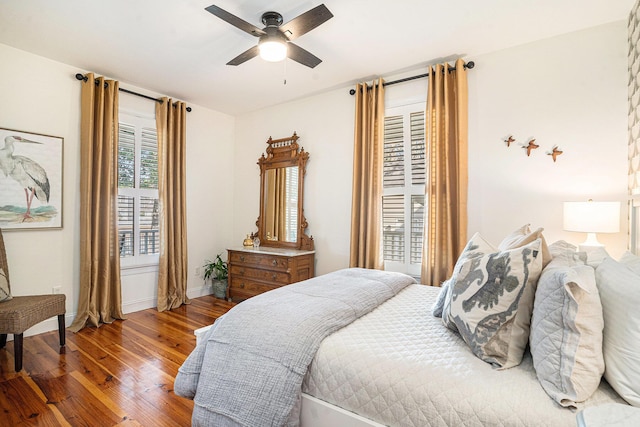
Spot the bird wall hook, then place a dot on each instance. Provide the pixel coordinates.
(555, 153)
(509, 140)
(530, 146)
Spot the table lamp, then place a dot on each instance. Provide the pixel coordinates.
(591, 218)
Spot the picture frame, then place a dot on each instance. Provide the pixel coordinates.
(31, 172)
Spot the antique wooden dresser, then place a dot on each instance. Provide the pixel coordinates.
(254, 271)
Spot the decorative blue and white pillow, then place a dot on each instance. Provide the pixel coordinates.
(475, 247)
(490, 299)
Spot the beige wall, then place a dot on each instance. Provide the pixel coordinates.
(43, 96)
(568, 90)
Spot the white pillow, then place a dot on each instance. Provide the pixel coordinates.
(632, 261)
(490, 299)
(595, 255)
(619, 289)
(523, 236)
(566, 332)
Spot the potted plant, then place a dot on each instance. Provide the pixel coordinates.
(217, 271)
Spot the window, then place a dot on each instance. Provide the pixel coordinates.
(138, 204)
(403, 188)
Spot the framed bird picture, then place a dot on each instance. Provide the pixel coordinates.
(30, 180)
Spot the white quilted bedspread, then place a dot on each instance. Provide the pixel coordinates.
(399, 366)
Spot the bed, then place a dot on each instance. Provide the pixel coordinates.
(370, 353)
(400, 366)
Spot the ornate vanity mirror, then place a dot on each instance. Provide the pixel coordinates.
(281, 222)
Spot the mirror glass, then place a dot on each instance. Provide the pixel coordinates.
(281, 204)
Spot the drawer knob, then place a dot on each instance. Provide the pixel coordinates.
(274, 276)
(242, 258)
(274, 262)
(242, 285)
(241, 271)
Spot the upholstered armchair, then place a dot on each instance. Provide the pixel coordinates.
(19, 313)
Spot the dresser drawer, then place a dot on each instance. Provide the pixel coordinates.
(272, 262)
(266, 275)
(252, 272)
(248, 287)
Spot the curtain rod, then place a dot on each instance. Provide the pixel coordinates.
(80, 76)
(468, 65)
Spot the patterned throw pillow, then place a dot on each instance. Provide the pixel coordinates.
(490, 300)
(5, 292)
(475, 247)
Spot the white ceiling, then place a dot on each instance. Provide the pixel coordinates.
(175, 47)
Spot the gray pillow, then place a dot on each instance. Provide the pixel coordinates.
(566, 332)
(438, 306)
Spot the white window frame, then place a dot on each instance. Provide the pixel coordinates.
(138, 261)
(413, 269)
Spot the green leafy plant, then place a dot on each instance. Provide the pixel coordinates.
(216, 269)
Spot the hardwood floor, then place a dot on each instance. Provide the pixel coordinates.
(116, 375)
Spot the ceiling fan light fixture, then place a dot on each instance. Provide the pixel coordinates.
(273, 50)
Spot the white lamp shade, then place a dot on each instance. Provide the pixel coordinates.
(592, 217)
(273, 50)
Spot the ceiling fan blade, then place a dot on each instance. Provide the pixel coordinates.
(302, 56)
(235, 21)
(244, 56)
(306, 22)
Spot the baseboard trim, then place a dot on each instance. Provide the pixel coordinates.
(127, 307)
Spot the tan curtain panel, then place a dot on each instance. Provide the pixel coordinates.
(100, 299)
(366, 205)
(172, 270)
(446, 190)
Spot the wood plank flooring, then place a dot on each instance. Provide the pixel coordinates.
(116, 375)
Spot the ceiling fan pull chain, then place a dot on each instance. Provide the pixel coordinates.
(285, 71)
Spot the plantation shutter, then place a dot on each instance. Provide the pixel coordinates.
(138, 202)
(393, 227)
(125, 225)
(149, 159)
(393, 164)
(126, 156)
(418, 153)
(404, 179)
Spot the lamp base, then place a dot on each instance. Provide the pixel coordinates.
(591, 245)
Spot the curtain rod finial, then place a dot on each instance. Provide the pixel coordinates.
(81, 77)
(470, 65)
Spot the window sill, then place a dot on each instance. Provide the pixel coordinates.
(138, 266)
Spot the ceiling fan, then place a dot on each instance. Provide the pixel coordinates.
(275, 38)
